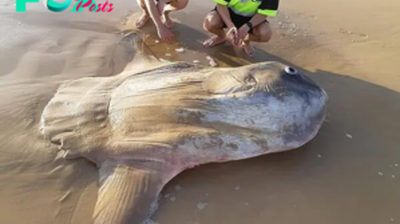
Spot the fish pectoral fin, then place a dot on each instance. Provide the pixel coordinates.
(128, 190)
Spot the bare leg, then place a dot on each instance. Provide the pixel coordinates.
(261, 33)
(150, 11)
(167, 6)
(213, 24)
(144, 18)
(161, 5)
(247, 47)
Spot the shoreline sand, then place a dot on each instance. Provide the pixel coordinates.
(348, 174)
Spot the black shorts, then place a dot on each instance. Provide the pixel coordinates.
(238, 20)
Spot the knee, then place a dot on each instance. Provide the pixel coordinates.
(179, 4)
(211, 22)
(265, 34)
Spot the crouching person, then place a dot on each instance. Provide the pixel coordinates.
(158, 11)
(245, 20)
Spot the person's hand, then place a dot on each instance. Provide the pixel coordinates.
(164, 33)
(242, 33)
(232, 33)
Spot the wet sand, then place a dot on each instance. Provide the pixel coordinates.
(348, 174)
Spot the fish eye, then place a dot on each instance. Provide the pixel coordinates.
(291, 71)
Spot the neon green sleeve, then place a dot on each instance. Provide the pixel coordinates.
(221, 2)
(268, 8)
(267, 12)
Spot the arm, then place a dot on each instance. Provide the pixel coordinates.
(244, 29)
(153, 11)
(257, 19)
(267, 8)
(222, 9)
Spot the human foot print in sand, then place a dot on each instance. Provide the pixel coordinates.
(213, 41)
(142, 20)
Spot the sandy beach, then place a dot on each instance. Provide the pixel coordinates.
(349, 174)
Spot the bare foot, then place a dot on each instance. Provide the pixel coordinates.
(213, 41)
(167, 20)
(248, 49)
(142, 20)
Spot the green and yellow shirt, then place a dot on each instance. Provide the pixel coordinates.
(251, 7)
